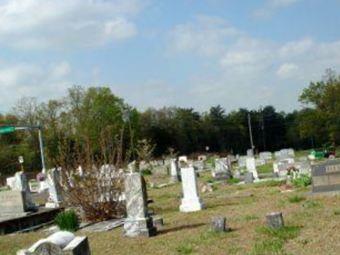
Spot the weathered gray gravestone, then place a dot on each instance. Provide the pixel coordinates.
(326, 177)
(218, 224)
(275, 220)
(54, 188)
(221, 170)
(248, 177)
(138, 221)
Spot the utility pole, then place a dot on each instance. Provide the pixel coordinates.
(250, 132)
(263, 132)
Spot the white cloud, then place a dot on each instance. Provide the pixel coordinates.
(252, 72)
(272, 6)
(287, 70)
(296, 48)
(27, 79)
(38, 24)
(204, 35)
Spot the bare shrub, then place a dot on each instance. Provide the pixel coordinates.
(93, 180)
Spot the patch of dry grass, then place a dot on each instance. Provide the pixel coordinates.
(245, 207)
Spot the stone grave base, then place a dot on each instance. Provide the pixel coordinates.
(29, 221)
(140, 227)
(191, 205)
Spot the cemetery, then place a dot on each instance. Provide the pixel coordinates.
(183, 209)
(169, 127)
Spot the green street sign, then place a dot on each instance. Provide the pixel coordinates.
(6, 129)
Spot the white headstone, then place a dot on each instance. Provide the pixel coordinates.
(251, 166)
(174, 171)
(183, 158)
(191, 201)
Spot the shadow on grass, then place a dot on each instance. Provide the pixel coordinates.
(179, 228)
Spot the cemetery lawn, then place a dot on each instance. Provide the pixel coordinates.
(312, 224)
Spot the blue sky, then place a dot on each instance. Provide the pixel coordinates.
(188, 53)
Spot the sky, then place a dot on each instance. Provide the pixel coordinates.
(155, 53)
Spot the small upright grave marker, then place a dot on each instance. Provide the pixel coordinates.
(275, 220)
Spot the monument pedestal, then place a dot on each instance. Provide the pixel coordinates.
(191, 205)
(139, 227)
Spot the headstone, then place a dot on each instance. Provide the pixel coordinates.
(221, 170)
(174, 170)
(326, 176)
(158, 222)
(202, 157)
(260, 162)
(285, 153)
(275, 220)
(138, 221)
(237, 174)
(277, 154)
(191, 201)
(283, 166)
(251, 166)
(20, 183)
(303, 166)
(12, 203)
(198, 165)
(59, 243)
(183, 159)
(54, 188)
(250, 153)
(242, 161)
(248, 177)
(218, 224)
(265, 155)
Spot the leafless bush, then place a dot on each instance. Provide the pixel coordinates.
(93, 180)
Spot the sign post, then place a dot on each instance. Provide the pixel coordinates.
(11, 129)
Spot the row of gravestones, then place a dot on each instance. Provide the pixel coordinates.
(140, 223)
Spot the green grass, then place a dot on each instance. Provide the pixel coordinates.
(271, 183)
(296, 199)
(273, 240)
(302, 181)
(233, 180)
(184, 249)
(309, 204)
(265, 169)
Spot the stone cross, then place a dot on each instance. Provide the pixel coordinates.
(138, 221)
(191, 201)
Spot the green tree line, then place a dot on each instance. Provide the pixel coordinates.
(85, 117)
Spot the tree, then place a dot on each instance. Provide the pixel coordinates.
(323, 97)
